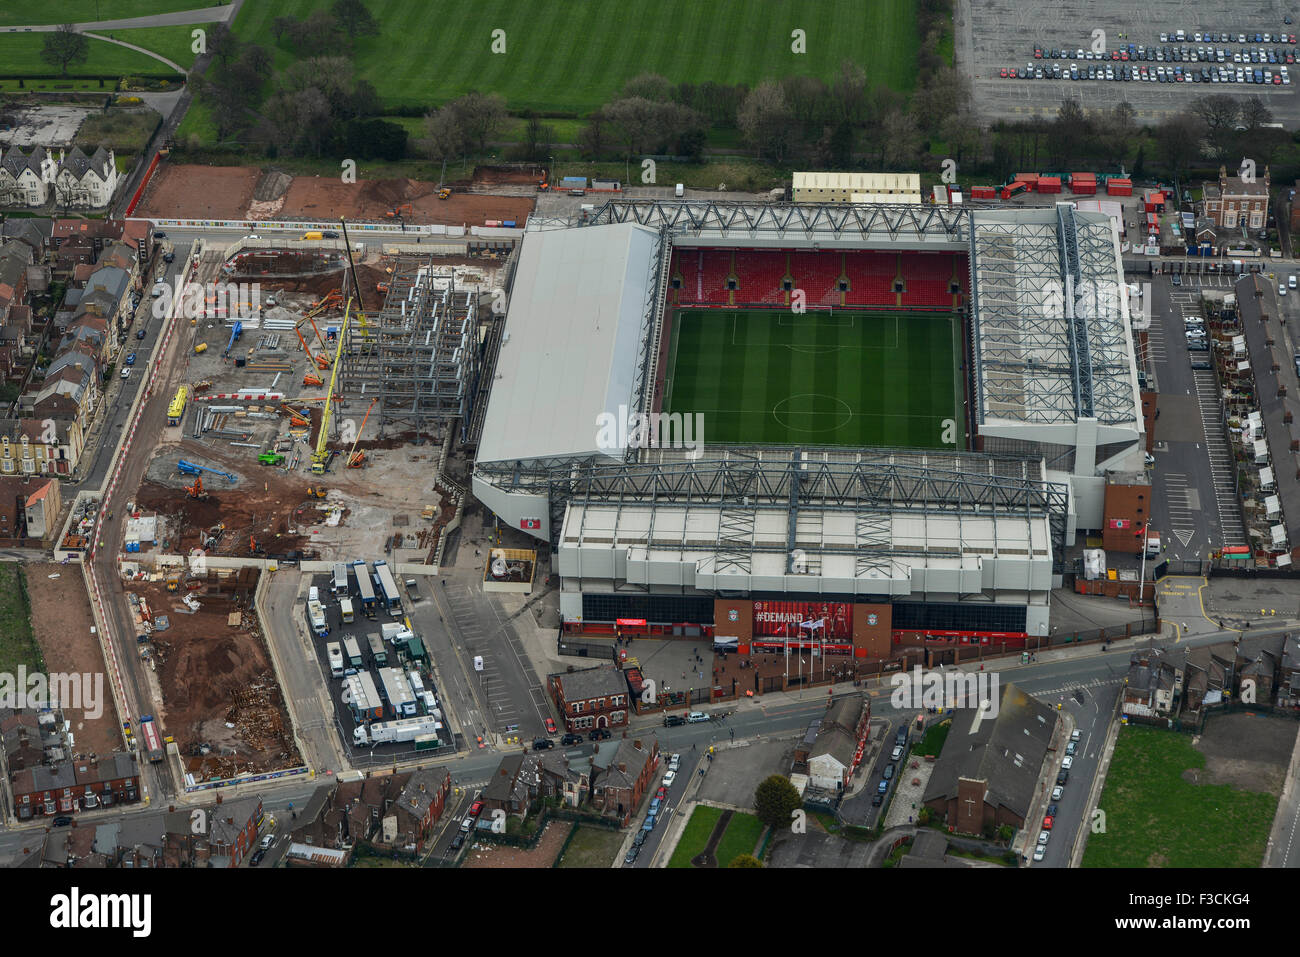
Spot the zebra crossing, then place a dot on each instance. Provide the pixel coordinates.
(1222, 470)
(1070, 689)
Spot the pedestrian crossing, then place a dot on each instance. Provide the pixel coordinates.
(1222, 469)
(1070, 689)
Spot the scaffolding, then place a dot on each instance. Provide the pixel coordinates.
(417, 353)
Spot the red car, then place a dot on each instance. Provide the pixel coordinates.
(550, 726)
(662, 793)
(1003, 74)
(476, 809)
(1038, 53)
(1047, 823)
(1115, 55)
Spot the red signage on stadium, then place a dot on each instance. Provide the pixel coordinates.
(630, 622)
(818, 620)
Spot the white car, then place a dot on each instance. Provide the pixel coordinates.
(1040, 852)
(1057, 792)
(669, 778)
(674, 762)
(896, 753)
(126, 373)
(1067, 763)
(1076, 734)
(1042, 837)
(1281, 291)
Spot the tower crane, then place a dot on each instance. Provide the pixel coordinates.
(321, 456)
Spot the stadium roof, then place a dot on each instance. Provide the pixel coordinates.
(572, 343)
(1051, 328)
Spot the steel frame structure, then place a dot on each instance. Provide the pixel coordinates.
(417, 353)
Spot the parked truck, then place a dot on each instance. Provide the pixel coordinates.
(316, 615)
(150, 738)
(340, 579)
(361, 695)
(346, 610)
(395, 732)
(335, 653)
(352, 653)
(378, 653)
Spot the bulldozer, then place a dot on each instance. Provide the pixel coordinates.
(444, 193)
(174, 582)
(315, 491)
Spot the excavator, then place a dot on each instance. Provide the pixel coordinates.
(195, 491)
(357, 459)
(397, 211)
(315, 491)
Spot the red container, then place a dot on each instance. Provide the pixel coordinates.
(1119, 187)
(983, 192)
(1082, 178)
(1083, 188)
(1049, 184)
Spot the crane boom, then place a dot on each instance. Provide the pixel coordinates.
(352, 451)
(321, 456)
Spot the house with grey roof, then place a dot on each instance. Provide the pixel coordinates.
(25, 178)
(86, 182)
(987, 774)
(592, 698)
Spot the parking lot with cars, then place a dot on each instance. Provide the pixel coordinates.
(1245, 46)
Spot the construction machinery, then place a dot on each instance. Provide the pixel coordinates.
(213, 535)
(357, 459)
(270, 458)
(189, 468)
(195, 491)
(235, 333)
(320, 359)
(174, 581)
(315, 491)
(320, 458)
(397, 211)
(444, 193)
(312, 378)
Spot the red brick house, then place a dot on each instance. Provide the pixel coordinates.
(108, 781)
(232, 831)
(418, 807)
(75, 786)
(622, 772)
(595, 698)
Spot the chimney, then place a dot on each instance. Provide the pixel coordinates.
(622, 766)
(637, 743)
(421, 787)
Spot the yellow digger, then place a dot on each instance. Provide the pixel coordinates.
(315, 491)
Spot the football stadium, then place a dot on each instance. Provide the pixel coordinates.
(746, 420)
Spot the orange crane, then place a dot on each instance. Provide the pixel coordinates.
(196, 490)
(355, 461)
(321, 361)
(312, 379)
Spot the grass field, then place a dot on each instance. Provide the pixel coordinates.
(569, 57)
(592, 847)
(17, 644)
(847, 378)
(1156, 818)
(21, 53)
(695, 835)
(741, 837)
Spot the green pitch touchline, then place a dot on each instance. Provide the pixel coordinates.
(768, 376)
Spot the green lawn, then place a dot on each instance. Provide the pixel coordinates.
(569, 57)
(17, 644)
(125, 130)
(90, 11)
(21, 53)
(847, 378)
(696, 835)
(592, 847)
(1156, 818)
(741, 837)
(932, 743)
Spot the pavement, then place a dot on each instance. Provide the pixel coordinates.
(212, 14)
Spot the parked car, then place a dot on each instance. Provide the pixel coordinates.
(169, 257)
(1061, 777)
(550, 726)
(62, 821)
(126, 373)
(1047, 822)
(1177, 280)
(329, 234)
(1051, 810)
(1043, 837)
(130, 359)
(458, 841)
(570, 739)
(140, 334)
(467, 825)
(632, 852)
(696, 717)
(476, 809)
(896, 753)
(1040, 852)
(674, 762)
(1067, 763)
(662, 793)
(882, 787)
(669, 778)
(673, 720)
(1069, 748)
(639, 839)
(257, 857)
(598, 733)
(541, 744)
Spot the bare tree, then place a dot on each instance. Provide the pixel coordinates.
(354, 18)
(222, 43)
(444, 137)
(64, 47)
(481, 116)
(648, 86)
(1254, 113)
(766, 120)
(281, 26)
(850, 91)
(902, 138)
(1178, 140)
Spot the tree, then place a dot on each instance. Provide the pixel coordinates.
(594, 138)
(775, 800)
(538, 138)
(745, 860)
(222, 43)
(850, 92)
(481, 115)
(946, 92)
(316, 35)
(444, 137)
(902, 139)
(354, 18)
(766, 120)
(649, 86)
(1255, 114)
(373, 137)
(65, 46)
(1178, 141)
(281, 26)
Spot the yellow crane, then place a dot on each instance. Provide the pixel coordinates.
(321, 457)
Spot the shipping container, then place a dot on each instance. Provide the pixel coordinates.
(1119, 187)
(1083, 187)
(983, 192)
(378, 653)
(1049, 184)
(1030, 178)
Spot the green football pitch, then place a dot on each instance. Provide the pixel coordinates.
(841, 378)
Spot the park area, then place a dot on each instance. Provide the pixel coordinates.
(551, 55)
(1169, 803)
(714, 837)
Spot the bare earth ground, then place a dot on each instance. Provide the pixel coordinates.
(1247, 752)
(226, 192)
(61, 620)
(541, 856)
(212, 674)
(199, 192)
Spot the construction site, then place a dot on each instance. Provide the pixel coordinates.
(209, 667)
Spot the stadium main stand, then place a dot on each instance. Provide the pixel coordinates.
(874, 279)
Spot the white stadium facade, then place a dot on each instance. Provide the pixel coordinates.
(898, 547)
